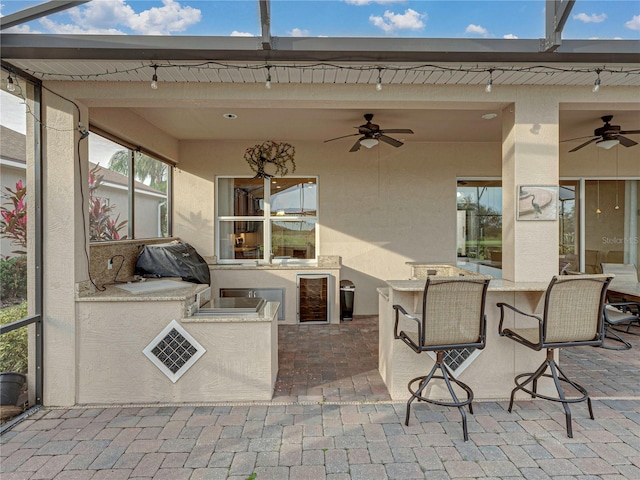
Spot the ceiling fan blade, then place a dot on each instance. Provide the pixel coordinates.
(396, 130)
(390, 141)
(356, 146)
(577, 138)
(629, 132)
(627, 142)
(338, 138)
(584, 144)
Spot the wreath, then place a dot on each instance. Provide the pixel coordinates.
(270, 159)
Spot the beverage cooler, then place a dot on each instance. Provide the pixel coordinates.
(314, 291)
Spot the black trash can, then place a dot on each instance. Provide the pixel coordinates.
(347, 292)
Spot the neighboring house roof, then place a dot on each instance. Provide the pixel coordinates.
(12, 145)
(13, 149)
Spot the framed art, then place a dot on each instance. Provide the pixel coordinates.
(537, 202)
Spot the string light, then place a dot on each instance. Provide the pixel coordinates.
(154, 79)
(596, 84)
(488, 88)
(267, 84)
(10, 85)
(379, 82)
(425, 69)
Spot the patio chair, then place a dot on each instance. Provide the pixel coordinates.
(572, 316)
(624, 273)
(452, 318)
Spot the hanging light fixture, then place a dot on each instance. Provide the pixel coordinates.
(267, 84)
(596, 84)
(598, 211)
(608, 143)
(10, 85)
(617, 206)
(378, 83)
(154, 79)
(489, 86)
(368, 142)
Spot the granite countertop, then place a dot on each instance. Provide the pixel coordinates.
(496, 285)
(112, 293)
(268, 314)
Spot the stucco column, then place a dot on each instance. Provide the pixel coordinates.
(64, 261)
(530, 156)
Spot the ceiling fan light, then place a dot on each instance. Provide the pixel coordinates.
(368, 142)
(607, 144)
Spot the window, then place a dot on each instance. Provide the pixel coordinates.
(266, 219)
(479, 205)
(114, 212)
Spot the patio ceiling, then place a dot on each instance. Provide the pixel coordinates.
(334, 61)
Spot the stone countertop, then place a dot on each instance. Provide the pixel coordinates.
(274, 266)
(496, 285)
(114, 294)
(268, 314)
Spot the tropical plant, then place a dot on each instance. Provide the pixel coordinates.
(101, 226)
(14, 353)
(147, 170)
(14, 220)
(13, 279)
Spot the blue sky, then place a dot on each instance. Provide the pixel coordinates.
(589, 19)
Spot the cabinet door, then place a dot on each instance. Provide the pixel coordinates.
(313, 298)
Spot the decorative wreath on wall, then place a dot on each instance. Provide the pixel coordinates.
(270, 159)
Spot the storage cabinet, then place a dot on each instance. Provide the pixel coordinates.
(313, 297)
(270, 294)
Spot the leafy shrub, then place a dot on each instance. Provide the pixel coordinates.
(13, 279)
(14, 345)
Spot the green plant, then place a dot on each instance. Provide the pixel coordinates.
(14, 345)
(253, 476)
(13, 279)
(13, 224)
(101, 226)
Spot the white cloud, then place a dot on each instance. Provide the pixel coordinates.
(593, 18)
(634, 23)
(105, 15)
(369, 2)
(236, 33)
(299, 32)
(510, 36)
(409, 20)
(476, 29)
(21, 29)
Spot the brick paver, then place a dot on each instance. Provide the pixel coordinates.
(339, 440)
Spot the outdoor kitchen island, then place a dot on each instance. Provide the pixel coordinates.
(489, 372)
(161, 347)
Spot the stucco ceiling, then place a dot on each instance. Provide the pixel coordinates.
(429, 125)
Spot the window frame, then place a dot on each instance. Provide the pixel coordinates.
(267, 220)
(132, 189)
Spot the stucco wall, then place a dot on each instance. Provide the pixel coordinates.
(378, 208)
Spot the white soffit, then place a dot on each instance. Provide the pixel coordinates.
(334, 73)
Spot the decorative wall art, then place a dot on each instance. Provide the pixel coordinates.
(537, 202)
(271, 158)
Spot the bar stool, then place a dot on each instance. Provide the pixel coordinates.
(452, 318)
(572, 316)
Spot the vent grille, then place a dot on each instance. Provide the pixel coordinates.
(174, 351)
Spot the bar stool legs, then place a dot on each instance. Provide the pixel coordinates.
(446, 376)
(558, 376)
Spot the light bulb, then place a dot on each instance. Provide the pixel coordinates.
(596, 86)
(598, 211)
(488, 88)
(267, 85)
(617, 207)
(10, 85)
(379, 85)
(154, 82)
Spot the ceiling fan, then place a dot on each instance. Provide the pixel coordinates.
(607, 136)
(371, 133)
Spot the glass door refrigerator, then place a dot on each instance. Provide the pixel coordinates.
(313, 297)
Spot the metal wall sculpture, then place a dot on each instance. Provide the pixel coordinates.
(271, 159)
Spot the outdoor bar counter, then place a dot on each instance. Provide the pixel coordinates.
(124, 352)
(490, 374)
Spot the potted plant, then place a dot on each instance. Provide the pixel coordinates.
(13, 356)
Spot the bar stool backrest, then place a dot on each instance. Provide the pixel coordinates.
(453, 310)
(573, 308)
